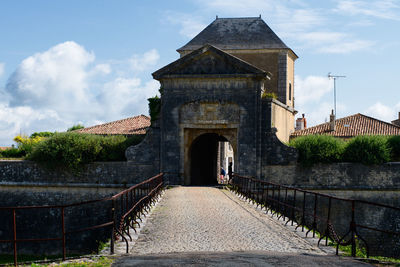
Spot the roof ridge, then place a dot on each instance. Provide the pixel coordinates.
(258, 17)
(390, 124)
(112, 122)
(356, 121)
(198, 52)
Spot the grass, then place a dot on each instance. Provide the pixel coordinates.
(39, 261)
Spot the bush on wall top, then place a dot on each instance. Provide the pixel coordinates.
(72, 150)
(367, 149)
(318, 148)
(394, 144)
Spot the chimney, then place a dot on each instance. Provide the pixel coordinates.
(332, 119)
(397, 122)
(301, 123)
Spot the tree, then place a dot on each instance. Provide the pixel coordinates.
(76, 127)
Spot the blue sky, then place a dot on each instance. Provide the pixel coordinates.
(69, 62)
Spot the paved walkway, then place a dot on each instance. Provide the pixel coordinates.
(205, 219)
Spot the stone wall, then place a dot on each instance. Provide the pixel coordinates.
(343, 176)
(378, 184)
(99, 174)
(25, 183)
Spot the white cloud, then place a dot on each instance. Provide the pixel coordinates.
(57, 88)
(383, 112)
(101, 69)
(51, 77)
(384, 9)
(190, 24)
(311, 89)
(2, 65)
(311, 94)
(142, 62)
(344, 47)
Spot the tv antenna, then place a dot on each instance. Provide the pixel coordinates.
(334, 77)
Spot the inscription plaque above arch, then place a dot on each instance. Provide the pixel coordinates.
(210, 113)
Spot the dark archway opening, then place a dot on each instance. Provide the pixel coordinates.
(204, 169)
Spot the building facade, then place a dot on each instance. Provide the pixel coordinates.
(213, 94)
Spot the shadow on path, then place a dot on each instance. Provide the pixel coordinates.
(229, 259)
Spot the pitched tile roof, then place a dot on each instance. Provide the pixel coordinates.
(357, 124)
(226, 64)
(236, 33)
(128, 126)
(4, 148)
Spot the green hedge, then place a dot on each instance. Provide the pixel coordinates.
(318, 148)
(367, 149)
(394, 145)
(12, 153)
(72, 150)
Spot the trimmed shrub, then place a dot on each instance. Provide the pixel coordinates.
(394, 145)
(72, 150)
(12, 153)
(318, 148)
(367, 149)
(66, 149)
(113, 147)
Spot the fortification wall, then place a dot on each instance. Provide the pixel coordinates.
(25, 183)
(379, 184)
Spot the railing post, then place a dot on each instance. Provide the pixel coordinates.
(63, 233)
(353, 230)
(303, 212)
(294, 207)
(113, 230)
(15, 237)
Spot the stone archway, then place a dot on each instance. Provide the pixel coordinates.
(201, 151)
(203, 157)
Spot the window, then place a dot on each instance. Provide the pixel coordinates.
(290, 91)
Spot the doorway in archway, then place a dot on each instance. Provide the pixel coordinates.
(205, 159)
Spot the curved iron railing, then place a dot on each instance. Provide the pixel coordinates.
(126, 210)
(313, 210)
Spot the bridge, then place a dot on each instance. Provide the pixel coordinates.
(248, 221)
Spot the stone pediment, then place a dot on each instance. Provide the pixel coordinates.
(209, 61)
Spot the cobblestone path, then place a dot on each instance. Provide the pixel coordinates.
(190, 219)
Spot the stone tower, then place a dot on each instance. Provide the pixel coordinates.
(215, 93)
(253, 41)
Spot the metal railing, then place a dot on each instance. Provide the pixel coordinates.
(124, 212)
(344, 221)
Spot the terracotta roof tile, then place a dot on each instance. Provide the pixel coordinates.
(357, 124)
(129, 126)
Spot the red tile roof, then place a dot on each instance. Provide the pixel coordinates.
(4, 148)
(357, 124)
(129, 126)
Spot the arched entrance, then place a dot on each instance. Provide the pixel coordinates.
(205, 159)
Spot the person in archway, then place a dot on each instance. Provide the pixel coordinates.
(229, 171)
(222, 176)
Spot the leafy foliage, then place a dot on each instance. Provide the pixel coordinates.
(41, 134)
(76, 127)
(394, 144)
(72, 150)
(367, 149)
(26, 144)
(318, 148)
(266, 94)
(154, 107)
(12, 153)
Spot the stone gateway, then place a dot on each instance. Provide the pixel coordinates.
(233, 83)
